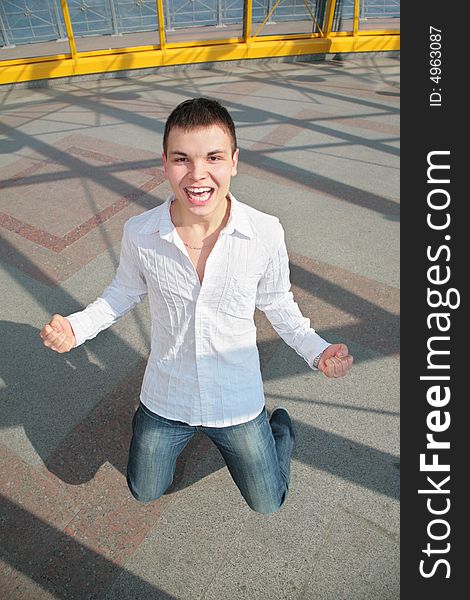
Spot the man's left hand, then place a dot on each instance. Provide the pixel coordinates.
(335, 361)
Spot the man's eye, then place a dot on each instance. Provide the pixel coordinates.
(214, 158)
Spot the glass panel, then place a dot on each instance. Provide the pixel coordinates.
(31, 28)
(198, 20)
(373, 15)
(107, 24)
(379, 14)
(343, 19)
(288, 17)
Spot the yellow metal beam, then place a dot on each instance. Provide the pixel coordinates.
(262, 48)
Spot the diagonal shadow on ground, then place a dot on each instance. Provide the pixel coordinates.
(56, 562)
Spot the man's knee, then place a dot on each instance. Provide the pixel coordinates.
(144, 496)
(266, 506)
(265, 509)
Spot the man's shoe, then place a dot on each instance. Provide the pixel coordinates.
(278, 408)
(281, 415)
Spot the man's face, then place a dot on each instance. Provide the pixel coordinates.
(199, 166)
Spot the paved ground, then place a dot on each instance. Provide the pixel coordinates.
(319, 149)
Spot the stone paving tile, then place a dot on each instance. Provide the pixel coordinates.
(358, 561)
(69, 526)
(76, 206)
(365, 310)
(20, 586)
(89, 537)
(32, 491)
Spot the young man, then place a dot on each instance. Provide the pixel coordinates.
(205, 260)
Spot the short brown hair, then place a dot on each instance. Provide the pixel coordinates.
(197, 113)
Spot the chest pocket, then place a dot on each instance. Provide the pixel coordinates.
(240, 297)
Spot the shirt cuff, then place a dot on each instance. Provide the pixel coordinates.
(87, 323)
(312, 345)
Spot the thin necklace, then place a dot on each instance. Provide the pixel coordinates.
(193, 247)
(197, 247)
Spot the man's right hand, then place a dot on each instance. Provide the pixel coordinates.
(58, 334)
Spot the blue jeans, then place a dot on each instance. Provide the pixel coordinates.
(257, 454)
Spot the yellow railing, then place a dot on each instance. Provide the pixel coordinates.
(164, 53)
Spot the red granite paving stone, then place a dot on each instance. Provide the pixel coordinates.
(9, 172)
(13, 173)
(34, 234)
(53, 268)
(111, 210)
(34, 260)
(28, 487)
(243, 87)
(57, 562)
(347, 92)
(15, 585)
(103, 437)
(98, 240)
(139, 183)
(370, 317)
(71, 536)
(286, 179)
(281, 134)
(90, 464)
(112, 523)
(369, 124)
(106, 148)
(58, 207)
(32, 505)
(312, 183)
(361, 309)
(111, 160)
(286, 132)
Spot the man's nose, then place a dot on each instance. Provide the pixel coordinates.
(198, 169)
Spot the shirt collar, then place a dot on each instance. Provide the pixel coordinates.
(238, 219)
(160, 220)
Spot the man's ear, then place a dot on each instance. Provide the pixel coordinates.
(235, 161)
(164, 161)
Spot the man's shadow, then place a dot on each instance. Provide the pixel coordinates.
(45, 393)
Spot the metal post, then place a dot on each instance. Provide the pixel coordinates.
(356, 18)
(247, 17)
(270, 6)
(69, 28)
(330, 13)
(362, 10)
(220, 22)
(3, 29)
(168, 21)
(60, 29)
(114, 20)
(161, 24)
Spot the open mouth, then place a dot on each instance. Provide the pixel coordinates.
(199, 195)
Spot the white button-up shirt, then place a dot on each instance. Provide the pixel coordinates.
(203, 367)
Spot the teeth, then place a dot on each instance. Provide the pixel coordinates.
(200, 190)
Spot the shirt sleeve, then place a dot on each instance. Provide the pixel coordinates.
(127, 289)
(276, 300)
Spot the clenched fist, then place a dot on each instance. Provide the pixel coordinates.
(335, 361)
(58, 335)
